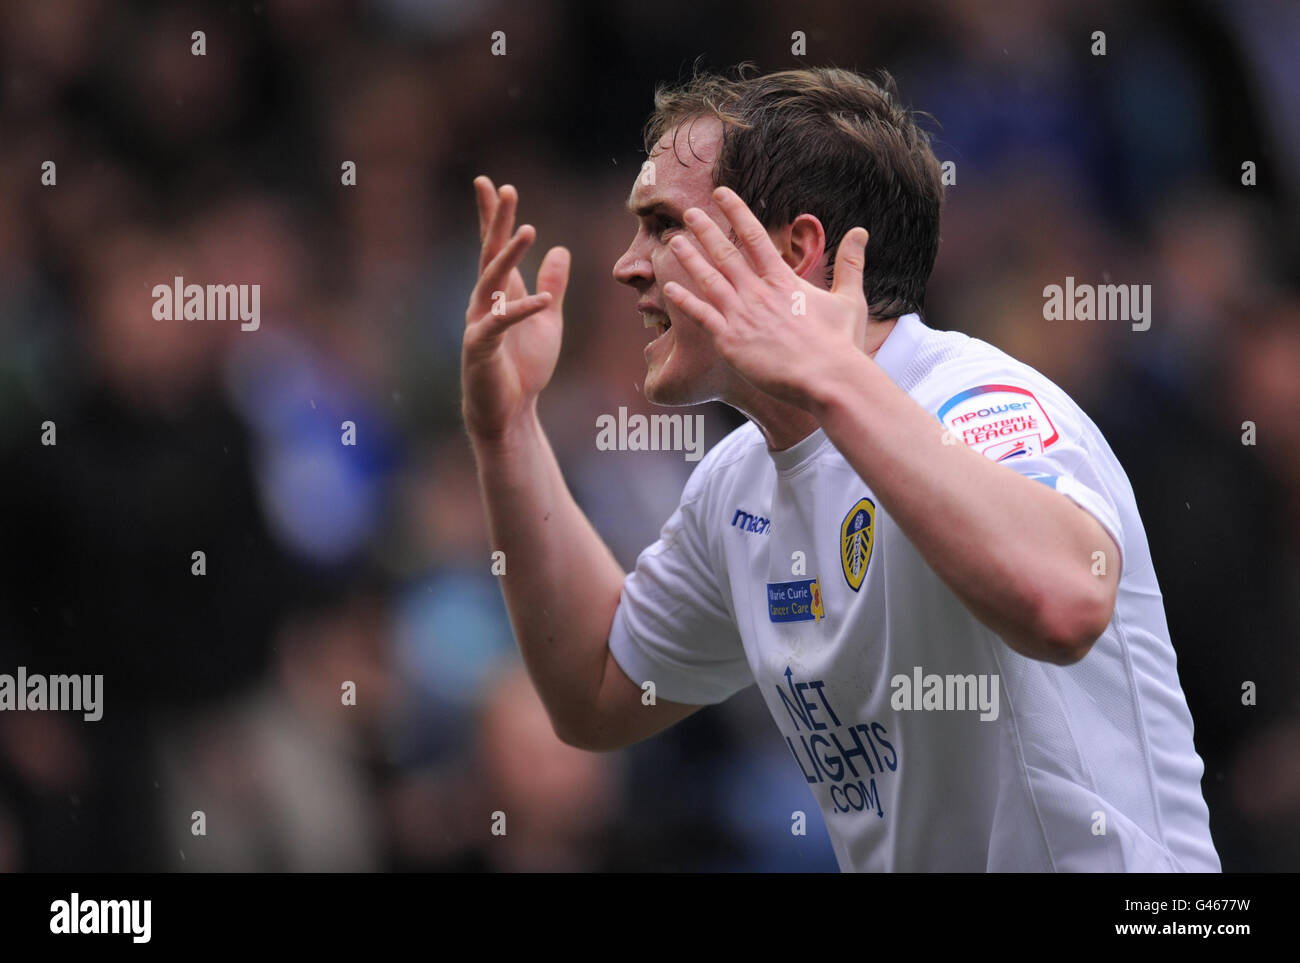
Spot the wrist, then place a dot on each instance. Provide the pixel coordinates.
(837, 383)
(505, 436)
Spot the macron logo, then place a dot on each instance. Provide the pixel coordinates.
(750, 523)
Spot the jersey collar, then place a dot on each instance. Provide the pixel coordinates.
(899, 346)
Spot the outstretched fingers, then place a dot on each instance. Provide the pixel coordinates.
(715, 286)
(493, 325)
(495, 275)
(553, 274)
(696, 308)
(485, 194)
(750, 233)
(721, 252)
(500, 225)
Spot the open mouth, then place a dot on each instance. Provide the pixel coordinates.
(657, 322)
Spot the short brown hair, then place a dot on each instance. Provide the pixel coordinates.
(831, 143)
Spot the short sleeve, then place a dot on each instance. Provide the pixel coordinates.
(673, 626)
(1034, 429)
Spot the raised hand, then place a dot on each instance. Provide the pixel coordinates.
(778, 331)
(512, 338)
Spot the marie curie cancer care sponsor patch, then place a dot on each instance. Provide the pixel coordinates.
(1000, 421)
(799, 601)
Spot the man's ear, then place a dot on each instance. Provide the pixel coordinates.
(803, 246)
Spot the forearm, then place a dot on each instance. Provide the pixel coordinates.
(1017, 554)
(561, 582)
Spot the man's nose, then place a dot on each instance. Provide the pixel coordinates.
(633, 267)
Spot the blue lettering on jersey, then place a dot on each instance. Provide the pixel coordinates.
(750, 523)
(847, 756)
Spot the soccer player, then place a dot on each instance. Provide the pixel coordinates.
(921, 550)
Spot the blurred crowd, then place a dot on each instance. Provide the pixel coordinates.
(369, 563)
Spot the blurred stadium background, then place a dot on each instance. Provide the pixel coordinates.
(370, 564)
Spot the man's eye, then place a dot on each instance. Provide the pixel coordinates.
(663, 224)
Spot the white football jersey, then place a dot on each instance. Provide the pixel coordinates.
(929, 744)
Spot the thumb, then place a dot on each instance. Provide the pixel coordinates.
(850, 260)
(553, 275)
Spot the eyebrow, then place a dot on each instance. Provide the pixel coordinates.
(645, 210)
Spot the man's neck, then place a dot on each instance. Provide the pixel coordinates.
(785, 425)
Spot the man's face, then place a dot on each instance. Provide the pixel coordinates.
(682, 367)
